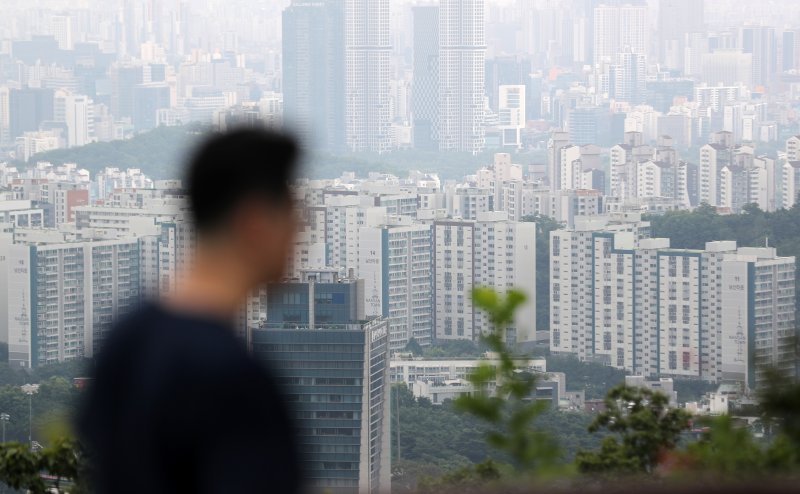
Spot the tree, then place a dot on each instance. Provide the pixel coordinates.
(414, 347)
(595, 379)
(454, 349)
(755, 228)
(728, 451)
(644, 427)
(62, 462)
(511, 409)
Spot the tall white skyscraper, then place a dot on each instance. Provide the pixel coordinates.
(512, 114)
(77, 112)
(368, 49)
(462, 54)
(619, 29)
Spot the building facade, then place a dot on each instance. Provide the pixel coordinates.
(462, 54)
(334, 368)
(722, 313)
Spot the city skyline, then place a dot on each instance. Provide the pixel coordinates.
(627, 172)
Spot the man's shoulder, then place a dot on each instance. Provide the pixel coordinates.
(159, 331)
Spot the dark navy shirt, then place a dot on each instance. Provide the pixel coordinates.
(178, 405)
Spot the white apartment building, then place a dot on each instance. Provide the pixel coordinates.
(453, 279)
(749, 184)
(394, 261)
(21, 213)
(718, 96)
(566, 205)
(344, 216)
(757, 314)
(635, 304)
(446, 379)
(165, 258)
(118, 222)
(60, 300)
(571, 172)
(466, 202)
(557, 141)
(512, 115)
(111, 179)
(572, 257)
(624, 165)
(790, 183)
(713, 158)
(77, 113)
(506, 260)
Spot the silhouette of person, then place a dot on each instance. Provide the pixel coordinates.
(176, 403)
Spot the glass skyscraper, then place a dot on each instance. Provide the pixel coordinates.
(314, 71)
(334, 370)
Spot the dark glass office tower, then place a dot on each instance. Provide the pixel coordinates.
(314, 71)
(334, 370)
(760, 41)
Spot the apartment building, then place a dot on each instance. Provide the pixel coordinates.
(395, 262)
(60, 300)
(722, 313)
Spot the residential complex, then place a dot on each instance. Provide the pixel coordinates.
(720, 314)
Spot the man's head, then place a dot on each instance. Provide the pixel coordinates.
(238, 184)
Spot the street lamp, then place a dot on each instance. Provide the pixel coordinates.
(4, 417)
(30, 390)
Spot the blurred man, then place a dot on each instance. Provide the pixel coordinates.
(177, 404)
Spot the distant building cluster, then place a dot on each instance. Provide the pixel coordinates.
(376, 76)
(594, 112)
(421, 247)
(78, 252)
(632, 302)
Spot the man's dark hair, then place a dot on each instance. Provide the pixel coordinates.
(233, 166)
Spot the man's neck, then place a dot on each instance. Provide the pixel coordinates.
(217, 286)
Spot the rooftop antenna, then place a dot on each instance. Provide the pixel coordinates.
(766, 241)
